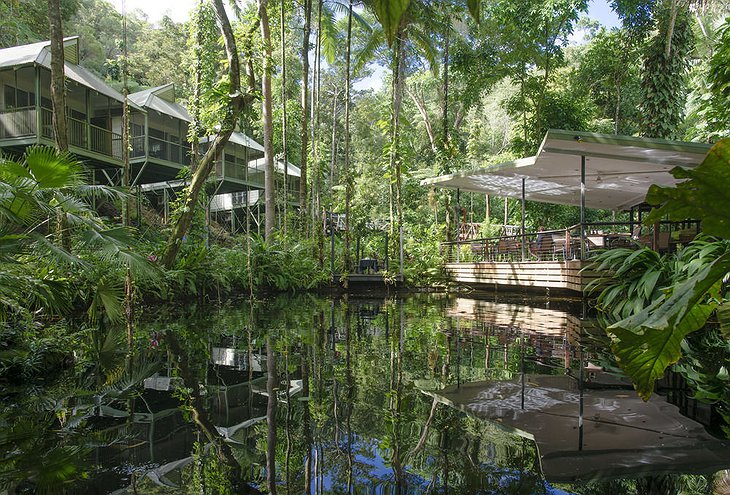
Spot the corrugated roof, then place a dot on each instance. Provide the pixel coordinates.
(619, 170)
(244, 140)
(40, 53)
(260, 163)
(240, 139)
(149, 98)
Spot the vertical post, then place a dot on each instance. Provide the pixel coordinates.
(582, 206)
(386, 251)
(223, 165)
(358, 257)
(332, 244)
(166, 206)
(458, 227)
(146, 134)
(87, 104)
(38, 110)
(401, 249)
(522, 226)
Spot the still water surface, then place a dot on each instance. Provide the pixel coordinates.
(427, 394)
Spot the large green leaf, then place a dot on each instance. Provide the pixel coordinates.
(389, 14)
(648, 342)
(704, 195)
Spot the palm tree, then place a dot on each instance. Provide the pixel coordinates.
(47, 184)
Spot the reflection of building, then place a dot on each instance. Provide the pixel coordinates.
(159, 437)
(552, 333)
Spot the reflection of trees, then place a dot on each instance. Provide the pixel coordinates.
(362, 421)
(271, 388)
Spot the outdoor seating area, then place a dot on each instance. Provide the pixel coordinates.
(566, 245)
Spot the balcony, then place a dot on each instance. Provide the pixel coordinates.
(22, 123)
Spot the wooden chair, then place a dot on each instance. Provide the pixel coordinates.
(560, 247)
(543, 247)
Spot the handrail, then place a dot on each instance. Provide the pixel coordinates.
(17, 122)
(565, 244)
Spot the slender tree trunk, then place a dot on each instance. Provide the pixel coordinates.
(317, 199)
(347, 173)
(207, 162)
(268, 117)
(670, 28)
(333, 151)
(58, 86)
(446, 85)
(421, 107)
(304, 132)
(283, 114)
(395, 165)
(272, 383)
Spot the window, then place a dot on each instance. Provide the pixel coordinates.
(17, 98)
(9, 97)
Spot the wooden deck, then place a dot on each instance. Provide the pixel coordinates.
(566, 275)
(364, 279)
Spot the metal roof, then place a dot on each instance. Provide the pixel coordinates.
(244, 140)
(260, 163)
(240, 139)
(157, 99)
(619, 170)
(40, 54)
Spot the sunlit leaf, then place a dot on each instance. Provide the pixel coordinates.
(389, 14)
(650, 341)
(703, 196)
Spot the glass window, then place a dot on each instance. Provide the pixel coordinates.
(10, 97)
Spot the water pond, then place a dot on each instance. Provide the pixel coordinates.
(377, 395)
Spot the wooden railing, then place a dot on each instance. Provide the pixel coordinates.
(572, 243)
(169, 151)
(17, 122)
(86, 136)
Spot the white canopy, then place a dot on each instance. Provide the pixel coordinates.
(619, 170)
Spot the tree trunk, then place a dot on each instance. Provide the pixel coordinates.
(283, 114)
(304, 133)
(347, 173)
(269, 193)
(58, 87)
(421, 107)
(670, 29)
(207, 162)
(395, 166)
(272, 384)
(445, 117)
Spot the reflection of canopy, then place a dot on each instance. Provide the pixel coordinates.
(619, 170)
(584, 434)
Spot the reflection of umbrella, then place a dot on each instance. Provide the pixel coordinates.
(583, 434)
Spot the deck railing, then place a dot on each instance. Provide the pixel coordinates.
(572, 243)
(21, 122)
(17, 122)
(169, 151)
